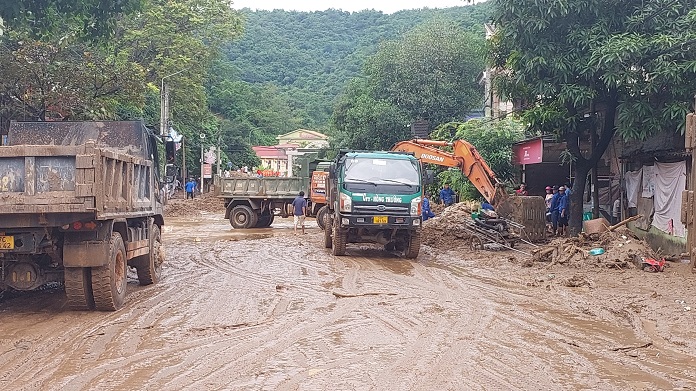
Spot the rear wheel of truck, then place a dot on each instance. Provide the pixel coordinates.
(328, 228)
(78, 288)
(340, 237)
(243, 217)
(109, 281)
(265, 219)
(149, 266)
(321, 214)
(414, 244)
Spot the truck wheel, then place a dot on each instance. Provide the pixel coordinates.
(243, 217)
(109, 282)
(78, 288)
(149, 267)
(328, 228)
(321, 214)
(265, 221)
(414, 244)
(339, 240)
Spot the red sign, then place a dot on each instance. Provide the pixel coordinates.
(529, 152)
(207, 171)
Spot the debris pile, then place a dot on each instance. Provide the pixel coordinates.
(181, 207)
(448, 225)
(617, 249)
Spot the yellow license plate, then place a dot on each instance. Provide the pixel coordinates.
(380, 220)
(6, 242)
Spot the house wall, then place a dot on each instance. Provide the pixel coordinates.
(667, 146)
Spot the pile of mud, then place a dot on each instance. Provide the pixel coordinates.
(181, 207)
(621, 250)
(447, 227)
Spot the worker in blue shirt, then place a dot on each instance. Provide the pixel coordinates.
(562, 208)
(190, 188)
(425, 208)
(447, 195)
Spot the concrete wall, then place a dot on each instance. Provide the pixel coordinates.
(665, 244)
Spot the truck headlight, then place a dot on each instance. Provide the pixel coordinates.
(416, 206)
(346, 204)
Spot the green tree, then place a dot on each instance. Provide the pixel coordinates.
(361, 121)
(429, 74)
(89, 19)
(66, 81)
(492, 139)
(432, 73)
(587, 69)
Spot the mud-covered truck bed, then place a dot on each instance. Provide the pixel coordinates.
(79, 202)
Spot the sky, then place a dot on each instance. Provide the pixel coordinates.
(388, 6)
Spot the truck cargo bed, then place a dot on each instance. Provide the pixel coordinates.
(49, 179)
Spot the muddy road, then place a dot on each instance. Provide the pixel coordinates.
(268, 310)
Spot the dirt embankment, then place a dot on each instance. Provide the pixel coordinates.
(181, 207)
(446, 230)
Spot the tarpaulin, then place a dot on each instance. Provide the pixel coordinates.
(670, 181)
(633, 187)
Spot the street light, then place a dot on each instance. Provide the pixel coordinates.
(164, 103)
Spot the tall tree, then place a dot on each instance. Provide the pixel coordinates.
(431, 73)
(90, 19)
(587, 69)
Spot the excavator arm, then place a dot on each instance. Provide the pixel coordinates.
(464, 156)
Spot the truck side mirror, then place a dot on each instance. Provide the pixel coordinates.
(332, 171)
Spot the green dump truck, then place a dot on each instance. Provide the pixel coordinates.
(374, 197)
(253, 202)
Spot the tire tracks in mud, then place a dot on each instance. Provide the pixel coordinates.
(260, 315)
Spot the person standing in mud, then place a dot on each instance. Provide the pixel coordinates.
(425, 208)
(299, 206)
(562, 208)
(447, 195)
(190, 188)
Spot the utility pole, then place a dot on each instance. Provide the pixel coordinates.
(218, 152)
(184, 173)
(202, 162)
(164, 104)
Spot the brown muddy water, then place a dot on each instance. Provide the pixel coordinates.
(269, 310)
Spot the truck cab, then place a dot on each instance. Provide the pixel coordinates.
(374, 197)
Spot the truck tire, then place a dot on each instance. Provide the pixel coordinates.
(414, 244)
(321, 214)
(265, 221)
(328, 228)
(78, 288)
(109, 282)
(243, 217)
(149, 267)
(340, 237)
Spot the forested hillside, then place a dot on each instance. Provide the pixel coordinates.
(311, 56)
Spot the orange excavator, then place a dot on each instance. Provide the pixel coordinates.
(528, 211)
(464, 156)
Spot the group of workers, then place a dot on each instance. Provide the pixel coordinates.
(558, 208)
(557, 205)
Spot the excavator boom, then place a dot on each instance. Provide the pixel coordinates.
(464, 156)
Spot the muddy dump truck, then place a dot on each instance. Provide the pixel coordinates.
(79, 202)
(374, 197)
(253, 202)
